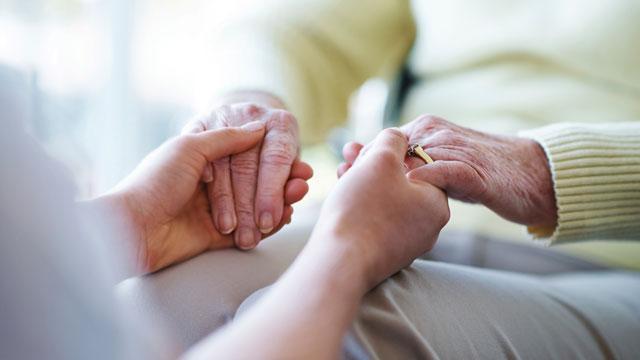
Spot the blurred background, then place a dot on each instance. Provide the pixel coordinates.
(110, 80)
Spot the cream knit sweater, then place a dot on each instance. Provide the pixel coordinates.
(502, 66)
(596, 175)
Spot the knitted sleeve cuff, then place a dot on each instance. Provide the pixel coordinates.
(596, 176)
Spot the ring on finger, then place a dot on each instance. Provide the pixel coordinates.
(416, 150)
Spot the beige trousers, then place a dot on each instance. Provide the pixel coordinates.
(437, 310)
(498, 300)
(546, 306)
(472, 298)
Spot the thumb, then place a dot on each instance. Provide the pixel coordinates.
(458, 179)
(216, 144)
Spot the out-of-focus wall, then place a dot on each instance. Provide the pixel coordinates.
(111, 79)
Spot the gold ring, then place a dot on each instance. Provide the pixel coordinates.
(417, 151)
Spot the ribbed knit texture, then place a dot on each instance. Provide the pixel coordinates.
(596, 175)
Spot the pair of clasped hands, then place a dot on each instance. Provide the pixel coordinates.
(231, 177)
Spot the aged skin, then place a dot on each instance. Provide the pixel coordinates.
(508, 174)
(163, 207)
(247, 189)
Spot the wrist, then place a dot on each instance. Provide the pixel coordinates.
(345, 263)
(116, 211)
(545, 209)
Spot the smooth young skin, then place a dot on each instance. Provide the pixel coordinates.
(164, 207)
(508, 174)
(247, 189)
(367, 231)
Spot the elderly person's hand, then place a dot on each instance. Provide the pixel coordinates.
(508, 174)
(383, 218)
(247, 189)
(164, 206)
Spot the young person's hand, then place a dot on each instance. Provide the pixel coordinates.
(165, 206)
(247, 189)
(384, 218)
(375, 222)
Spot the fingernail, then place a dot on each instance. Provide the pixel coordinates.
(253, 126)
(245, 238)
(266, 222)
(207, 177)
(226, 223)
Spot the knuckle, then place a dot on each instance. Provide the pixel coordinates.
(283, 120)
(446, 133)
(244, 212)
(386, 158)
(394, 132)
(280, 156)
(236, 114)
(242, 172)
(456, 139)
(430, 121)
(279, 150)
(447, 138)
(284, 115)
(221, 198)
(283, 139)
(270, 193)
(243, 166)
(253, 110)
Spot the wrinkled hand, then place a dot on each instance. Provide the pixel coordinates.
(388, 218)
(247, 189)
(169, 205)
(508, 174)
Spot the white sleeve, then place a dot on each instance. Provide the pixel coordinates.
(56, 295)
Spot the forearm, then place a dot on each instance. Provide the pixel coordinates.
(304, 315)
